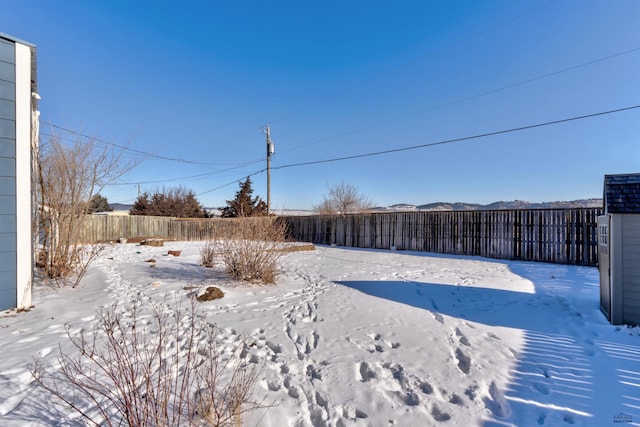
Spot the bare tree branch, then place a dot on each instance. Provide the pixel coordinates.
(69, 176)
(343, 199)
(169, 372)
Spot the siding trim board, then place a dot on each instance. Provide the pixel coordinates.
(17, 83)
(24, 111)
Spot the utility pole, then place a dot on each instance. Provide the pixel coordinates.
(270, 152)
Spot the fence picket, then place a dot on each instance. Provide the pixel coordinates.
(566, 236)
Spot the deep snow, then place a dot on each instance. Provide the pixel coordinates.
(353, 337)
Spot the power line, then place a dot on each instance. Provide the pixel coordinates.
(468, 98)
(221, 186)
(182, 178)
(354, 131)
(449, 141)
(232, 182)
(326, 99)
(62, 138)
(145, 153)
(431, 144)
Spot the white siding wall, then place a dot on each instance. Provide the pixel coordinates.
(23, 174)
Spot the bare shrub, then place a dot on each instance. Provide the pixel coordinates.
(169, 371)
(85, 256)
(253, 250)
(69, 176)
(70, 267)
(208, 254)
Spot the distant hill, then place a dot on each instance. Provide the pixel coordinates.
(439, 206)
(217, 211)
(502, 205)
(449, 207)
(120, 207)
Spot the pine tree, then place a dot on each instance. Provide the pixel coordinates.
(141, 205)
(243, 205)
(98, 203)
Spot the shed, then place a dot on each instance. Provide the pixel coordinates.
(619, 249)
(18, 140)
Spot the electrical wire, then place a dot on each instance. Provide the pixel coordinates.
(449, 141)
(182, 178)
(458, 101)
(431, 144)
(232, 182)
(145, 153)
(354, 131)
(427, 145)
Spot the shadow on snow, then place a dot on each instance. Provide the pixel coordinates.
(564, 371)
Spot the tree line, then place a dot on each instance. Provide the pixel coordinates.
(69, 179)
(180, 202)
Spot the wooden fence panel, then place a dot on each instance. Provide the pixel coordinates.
(567, 236)
(105, 228)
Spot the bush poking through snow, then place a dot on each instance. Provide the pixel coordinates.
(168, 371)
(252, 253)
(70, 267)
(210, 294)
(208, 254)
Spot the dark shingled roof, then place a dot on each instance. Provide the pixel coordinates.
(622, 193)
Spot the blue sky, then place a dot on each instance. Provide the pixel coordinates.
(197, 80)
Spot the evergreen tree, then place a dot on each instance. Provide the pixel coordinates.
(98, 203)
(141, 205)
(244, 205)
(175, 202)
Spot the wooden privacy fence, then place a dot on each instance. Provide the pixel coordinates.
(566, 236)
(106, 228)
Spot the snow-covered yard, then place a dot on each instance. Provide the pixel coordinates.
(369, 338)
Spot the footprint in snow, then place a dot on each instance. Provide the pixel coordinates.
(542, 388)
(462, 338)
(496, 402)
(271, 385)
(456, 400)
(438, 414)
(425, 387)
(464, 361)
(365, 372)
(292, 390)
(439, 318)
(542, 418)
(313, 373)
